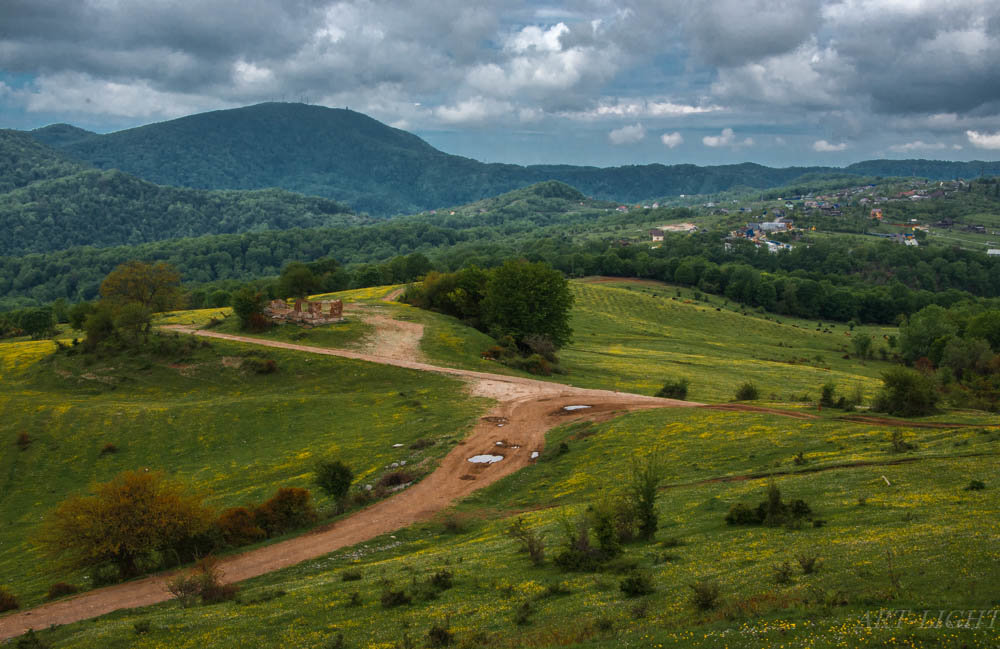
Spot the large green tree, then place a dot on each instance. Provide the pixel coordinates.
(528, 299)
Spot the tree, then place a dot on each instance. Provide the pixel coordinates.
(643, 487)
(248, 305)
(925, 328)
(124, 522)
(133, 320)
(906, 393)
(334, 478)
(154, 286)
(525, 298)
(37, 323)
(297, 280)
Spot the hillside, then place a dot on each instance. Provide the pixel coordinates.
(347, 156)
(889, 529)
(49, 203)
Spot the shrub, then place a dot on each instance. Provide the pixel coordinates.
(441, 580)
(747, 392)
(975, 485)
(421, 444)
(898, 443)
(705, 594)
(906, 393)
(522, 616)
(334, 478)
(783, 573)
(643, 488)
(827, 397)
(577, 554)
(531, 541)
(61, 589)
(142, 627)
(108, 449)
(238, 526)
(393, 598)
(204, 582)
(351, 575)
(30, 640)
(742, 514)
(260, 365)
(8, 602)
(23, 441)
(771, 512)
(439, 636)
(808, 563)
(637, 584)
(288, 509)
(674, 389)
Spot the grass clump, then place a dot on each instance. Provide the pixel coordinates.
(8, 601)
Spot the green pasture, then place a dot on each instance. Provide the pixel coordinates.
(207, 420)
(896, 536)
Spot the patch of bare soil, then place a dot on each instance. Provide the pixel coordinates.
(393, 338)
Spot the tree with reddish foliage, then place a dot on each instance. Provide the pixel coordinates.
(124, 522)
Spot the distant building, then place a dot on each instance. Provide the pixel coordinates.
(656, 234)
(993, 252)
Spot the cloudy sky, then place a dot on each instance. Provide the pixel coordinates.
(598, 82)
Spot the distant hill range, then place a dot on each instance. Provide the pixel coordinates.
(48, 202)
(349, 157)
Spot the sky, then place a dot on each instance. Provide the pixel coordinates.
(595, 82)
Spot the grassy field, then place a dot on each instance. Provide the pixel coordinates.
(897, 536)
(206, 420)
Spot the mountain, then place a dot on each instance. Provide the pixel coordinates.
(350, 157)
(48, 203)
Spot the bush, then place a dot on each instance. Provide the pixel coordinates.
(577, 554)
(975, 485)
(108, 449)
(393, 598)
(30, 641)
(783, 573)
(142, 627)
(61, 589)
(290, 508)
(771, 512)
(705, 595)
(637, 584)
(260, 365)
(334, 478)
(898, 443)
(23, 441)
(906, 393)
(394, 479)
(204, 582)
(238, 526)
(742, 514)
(808, 563)
(643, 488)
(747, 392)
(351, 575)
(674, 389)
(439, 636)
(531, 541)
(8, 602)
(827, 397)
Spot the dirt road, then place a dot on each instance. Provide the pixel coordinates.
(525, 410)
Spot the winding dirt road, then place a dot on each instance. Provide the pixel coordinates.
(525, 410)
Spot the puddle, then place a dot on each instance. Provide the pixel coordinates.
(534, 455)
(485, 459)
(572, 408)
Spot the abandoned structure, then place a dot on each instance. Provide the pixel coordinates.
(305, 312)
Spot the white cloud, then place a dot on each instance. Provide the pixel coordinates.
(984, 140)
(918, 145)
(726, 138)
(536, 38)
(672, 140)
(248, 73)
(828, 147)
(640, 108)
(476, 109)
(628, 134)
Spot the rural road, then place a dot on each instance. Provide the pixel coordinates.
(525, 409)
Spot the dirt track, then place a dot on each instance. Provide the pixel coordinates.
(526, 408)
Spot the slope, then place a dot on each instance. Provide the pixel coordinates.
(48, 202)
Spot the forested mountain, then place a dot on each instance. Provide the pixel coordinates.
(347, 156)
(49, 203)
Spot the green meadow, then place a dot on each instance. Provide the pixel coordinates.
(897, 535)
(207, 420)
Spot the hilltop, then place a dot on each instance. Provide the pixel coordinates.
(347, 156)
